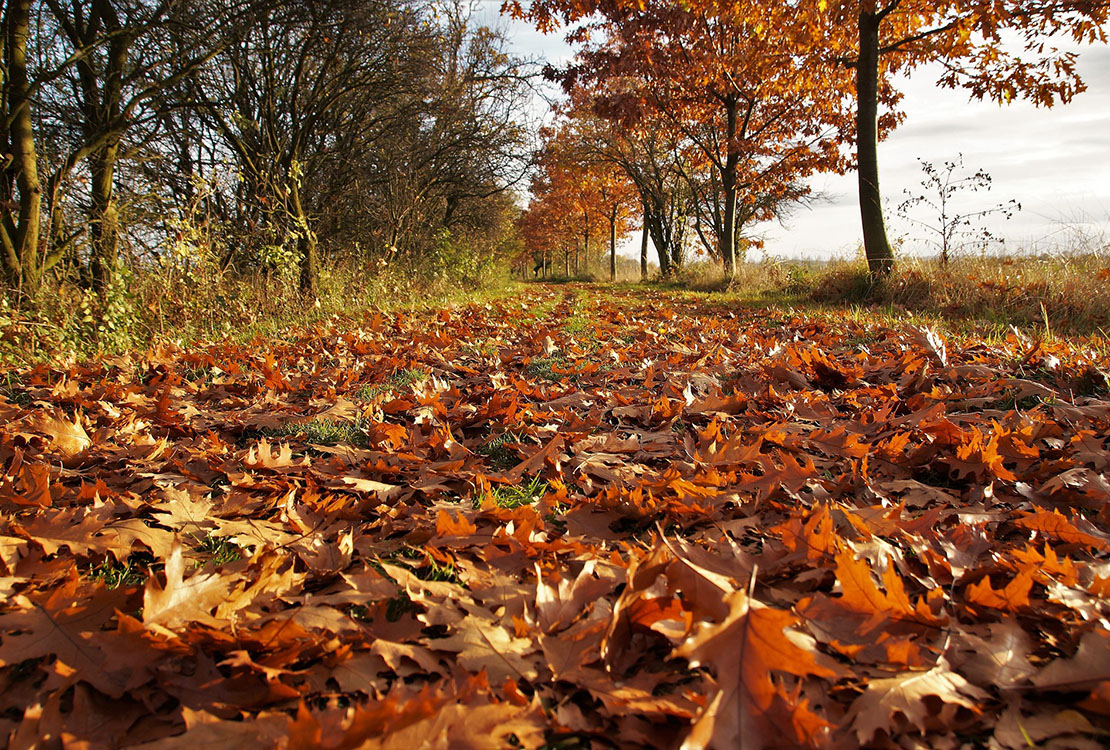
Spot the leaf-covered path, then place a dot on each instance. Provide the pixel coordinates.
(577, 518)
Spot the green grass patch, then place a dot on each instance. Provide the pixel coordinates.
(535, 312)
(323, 432)
(219, 550)
(498, 454)
(521, 494)
(11, 387)
(578, 324)
(115, 574)
(544, 367)
(399, 380)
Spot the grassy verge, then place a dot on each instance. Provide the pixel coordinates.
(67, 321)
(1046, 295)
(1067, 295)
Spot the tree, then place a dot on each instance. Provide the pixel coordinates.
(947, 224)
(102, 74)
(879, 39)
(23, 261)
(578, 155)
(726, 76)
(293, 82)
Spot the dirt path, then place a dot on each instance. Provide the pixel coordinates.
(576, 518)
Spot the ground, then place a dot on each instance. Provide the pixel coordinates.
(575, 518)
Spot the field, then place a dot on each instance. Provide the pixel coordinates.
(576, 517)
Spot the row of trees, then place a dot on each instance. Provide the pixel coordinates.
(714, 112)
(269, 134)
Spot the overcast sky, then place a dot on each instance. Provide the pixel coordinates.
(1055, 162)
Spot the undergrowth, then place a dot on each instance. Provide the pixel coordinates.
(1048, 294)
(66, 321)
(1043, 294)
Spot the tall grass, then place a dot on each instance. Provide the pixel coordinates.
(1071, 293)
(1068, 293)
(67, 321)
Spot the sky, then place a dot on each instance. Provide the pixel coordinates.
(1055, 162)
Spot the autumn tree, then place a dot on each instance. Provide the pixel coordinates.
(547, 227)
(729, 78)
(650, 152)
(580, 157)
(992, 49)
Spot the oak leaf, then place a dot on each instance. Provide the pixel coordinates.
(183, 600)
(484, 645)
(64, 623)
(889, 704)
(999, 657)
(66, 435)
(745, 650)
(1014, 596)
(1090, 664)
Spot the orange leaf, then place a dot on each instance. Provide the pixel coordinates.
(1055, 526)
(448, 525)
(744, 651)
(1011, 598)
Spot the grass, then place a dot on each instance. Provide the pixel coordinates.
(544, 367)
(536, 312)
(398, 381)
(580, 322)
(136, 569)
(12, 389)
(518, 495)
(499, 457)
(205, 306)
(115, 574)
(323, 432)
(1045, 295)
(218, 549)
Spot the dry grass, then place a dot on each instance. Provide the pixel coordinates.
(69, 322)
(1064, 294)
(1051, 294)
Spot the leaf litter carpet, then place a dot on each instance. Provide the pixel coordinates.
(572, 519)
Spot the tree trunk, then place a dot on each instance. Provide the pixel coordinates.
(613, 244)
(658, 238)
(20, 238)
(103, 108)
(727, 240)
(643, 246)
(310, 270)
(104, 227)
(876, 246)
(586, 239)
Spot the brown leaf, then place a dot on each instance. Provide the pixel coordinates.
(892, 704)
(744, 651)
(66, 435)
(1001, 657)
(1090, 664)
(182, 600)
(484, 645)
